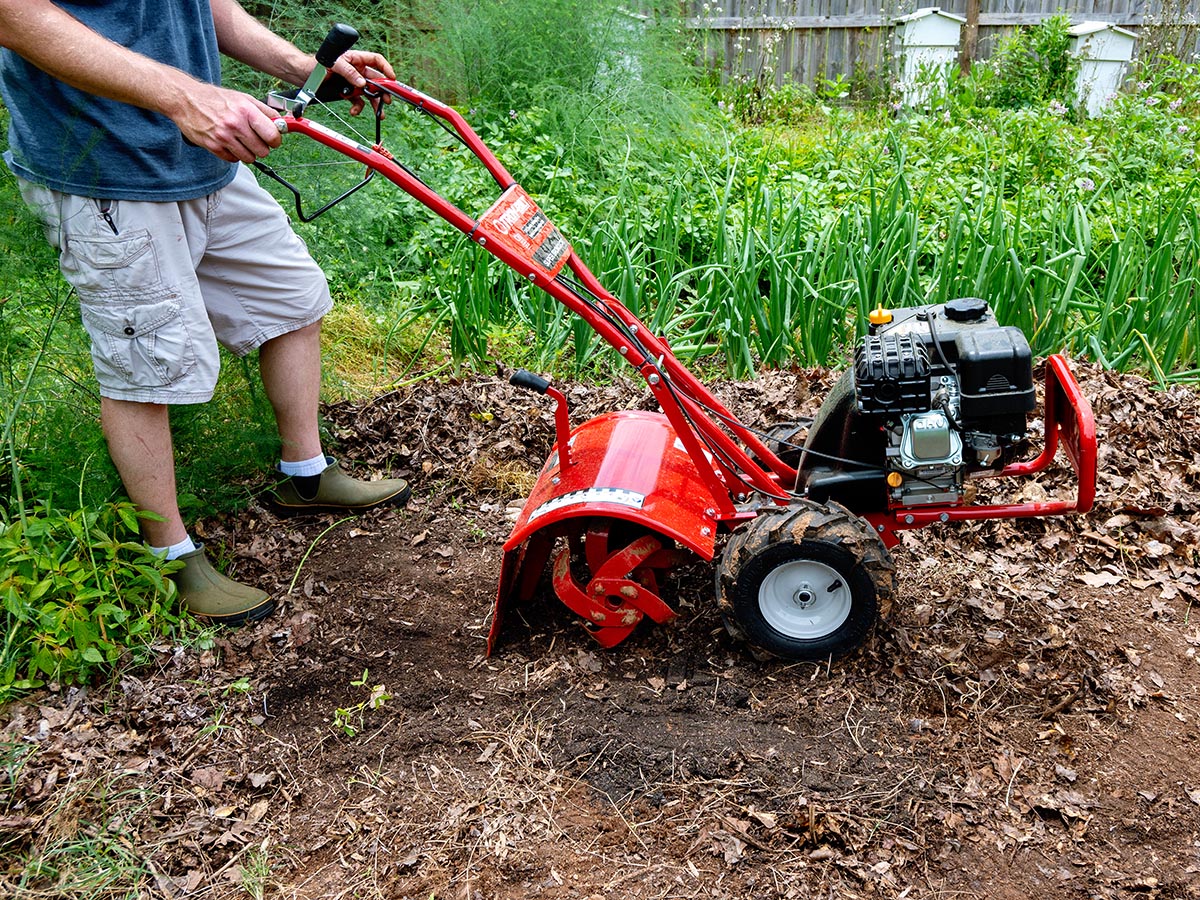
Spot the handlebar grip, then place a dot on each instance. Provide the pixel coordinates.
(340, 39)
(524, 379)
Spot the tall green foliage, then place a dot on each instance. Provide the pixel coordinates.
(1031, 67)
(609, 84)
(78, 593)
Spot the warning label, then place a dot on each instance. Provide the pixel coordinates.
(515, 223)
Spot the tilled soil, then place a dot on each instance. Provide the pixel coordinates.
(1025, 725)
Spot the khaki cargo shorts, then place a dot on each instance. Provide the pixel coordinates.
(161, 284)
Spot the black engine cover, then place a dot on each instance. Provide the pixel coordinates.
(898, 367)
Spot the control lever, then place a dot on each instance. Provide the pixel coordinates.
(340, 39)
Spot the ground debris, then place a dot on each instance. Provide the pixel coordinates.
(1025, 726)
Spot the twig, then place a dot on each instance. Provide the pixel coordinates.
(1011, 782)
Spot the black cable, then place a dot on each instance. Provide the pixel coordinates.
(419, 106)
(945, 404)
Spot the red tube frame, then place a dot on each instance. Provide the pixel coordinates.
(732, 474)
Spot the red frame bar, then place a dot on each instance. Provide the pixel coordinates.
(728, 481)
(1069, 424)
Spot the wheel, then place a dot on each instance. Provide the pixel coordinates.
(781, 440)
(805, 582)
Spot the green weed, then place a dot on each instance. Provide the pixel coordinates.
(80, 594)
(350, 720)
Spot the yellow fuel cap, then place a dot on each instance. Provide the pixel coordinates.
(895, 479)
(880, 316)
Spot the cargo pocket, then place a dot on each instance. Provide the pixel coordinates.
(145, 344)
(102, 264)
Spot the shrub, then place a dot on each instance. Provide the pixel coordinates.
(1031, 67)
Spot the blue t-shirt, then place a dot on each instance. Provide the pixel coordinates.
(81, 144)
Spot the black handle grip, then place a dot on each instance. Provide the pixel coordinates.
(523, 379)
(340, 39)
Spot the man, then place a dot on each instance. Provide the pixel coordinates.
(130, 151)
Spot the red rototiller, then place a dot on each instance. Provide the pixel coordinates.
(798, 530)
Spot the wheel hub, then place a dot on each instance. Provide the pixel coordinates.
(805, 599)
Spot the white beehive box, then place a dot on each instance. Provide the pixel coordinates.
(1104, 51)
(927, 43)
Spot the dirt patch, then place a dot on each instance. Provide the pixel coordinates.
(1025, 726)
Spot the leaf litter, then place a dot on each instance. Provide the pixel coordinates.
(1026, 724)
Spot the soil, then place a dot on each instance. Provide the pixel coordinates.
(1026, 724)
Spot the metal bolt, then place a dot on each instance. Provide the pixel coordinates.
(533, 276)
(633, 329)
(908, 520)
(706, 531)
(710, 512)
(624, 350)
(944, 517)
(554, 480)
(482, 241)
(653, 379)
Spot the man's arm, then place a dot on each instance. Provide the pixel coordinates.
(230, 124)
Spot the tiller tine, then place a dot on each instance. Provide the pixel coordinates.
(617, 474)
(622, 589)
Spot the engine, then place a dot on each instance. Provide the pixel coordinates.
(935, 393)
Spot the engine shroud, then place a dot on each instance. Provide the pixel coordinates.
(935, 394)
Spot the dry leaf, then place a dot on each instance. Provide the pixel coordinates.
(1100, 579)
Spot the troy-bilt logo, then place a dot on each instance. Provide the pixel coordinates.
(515, 214)
(515, 223)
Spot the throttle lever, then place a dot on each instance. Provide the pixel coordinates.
(340, 39)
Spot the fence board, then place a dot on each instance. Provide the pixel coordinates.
(807, 40)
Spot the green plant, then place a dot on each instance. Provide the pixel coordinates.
(82, 848)
(1031, 67)
(80, 593)
(349, 720)
(255, 872)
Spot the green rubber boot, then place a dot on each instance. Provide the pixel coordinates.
(333, 490)
(211, 596)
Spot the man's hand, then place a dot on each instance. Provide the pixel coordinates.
(358, 65)
(234, 126)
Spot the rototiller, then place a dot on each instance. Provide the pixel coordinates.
(799, 530)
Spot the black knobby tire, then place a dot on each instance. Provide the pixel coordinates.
(806, 582)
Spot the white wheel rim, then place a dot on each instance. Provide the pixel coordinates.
(805, 599)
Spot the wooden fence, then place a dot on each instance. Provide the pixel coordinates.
(809, 40)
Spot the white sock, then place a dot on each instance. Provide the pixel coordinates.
(304, 467)
(177, 550)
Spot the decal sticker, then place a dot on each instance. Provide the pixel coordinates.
(515, 223)
(619, 496)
